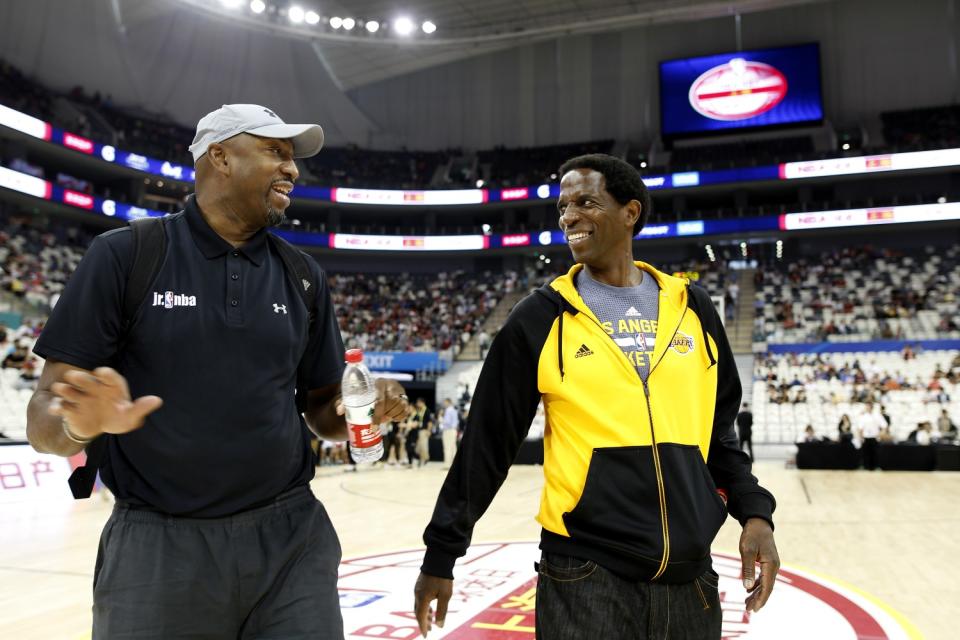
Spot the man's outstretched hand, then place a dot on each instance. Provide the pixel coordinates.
(428, 589)
(757, 546)
(98, 401)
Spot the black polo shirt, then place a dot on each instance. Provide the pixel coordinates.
(219, 338)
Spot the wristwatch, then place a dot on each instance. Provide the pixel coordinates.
(70, 436)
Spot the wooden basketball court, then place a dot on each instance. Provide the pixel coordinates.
(894, 536)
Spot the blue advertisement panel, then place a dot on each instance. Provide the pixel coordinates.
(746, 89)
(860, 347)
(405, 360)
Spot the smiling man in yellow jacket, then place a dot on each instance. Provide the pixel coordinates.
(641, 462)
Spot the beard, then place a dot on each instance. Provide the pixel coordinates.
(274, 216)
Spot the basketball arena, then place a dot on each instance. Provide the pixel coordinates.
(802, 158)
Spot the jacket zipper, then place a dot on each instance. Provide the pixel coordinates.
(661, 491)
(656, 458)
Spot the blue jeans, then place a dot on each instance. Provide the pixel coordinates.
(579, 599)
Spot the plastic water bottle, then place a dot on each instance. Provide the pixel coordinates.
(359, 397)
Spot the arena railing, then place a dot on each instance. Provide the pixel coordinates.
(786, 222)
(847, 166)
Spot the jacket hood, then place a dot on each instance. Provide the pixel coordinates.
(674, 298)
(673, 289)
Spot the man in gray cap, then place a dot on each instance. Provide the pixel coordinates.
(194, 406)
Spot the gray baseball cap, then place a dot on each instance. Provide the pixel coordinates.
(233, 119)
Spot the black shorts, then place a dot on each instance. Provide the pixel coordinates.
(270, 572)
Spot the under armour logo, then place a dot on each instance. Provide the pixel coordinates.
(306, 283)
(270, 113)
(277, 308)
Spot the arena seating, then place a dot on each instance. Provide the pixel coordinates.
(859, 295)
(157, 136)
(352, 167)
(150, 135)
(917, 129)
(791, 392)
(35, 263)
(17, 379)
(741, 154)
(403, 312)
(535, 165)
(20, 93)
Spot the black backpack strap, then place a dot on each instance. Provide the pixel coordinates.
(299, 272)
(301, 276)
(149, 251)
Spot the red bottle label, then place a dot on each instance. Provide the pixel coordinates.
(363, 436)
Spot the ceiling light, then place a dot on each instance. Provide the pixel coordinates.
(312, 17)
(349, 23)
(403, 26)
(295, 14)
(428, 27)
(258, 6)
(480, 184)
(643, 165)
(336, 22)
(373, 26)
(846, 146)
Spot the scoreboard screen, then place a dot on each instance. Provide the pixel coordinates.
(742, 90)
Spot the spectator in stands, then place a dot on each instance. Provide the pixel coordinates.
(745, 429)
(886, 436)
(946, 426)
(389, 431)
(922, 435)
(397, 452)
(387, 313)
(845, 430)
(421, 432)
(809, 434)
(801, 396)
(935, 391)
(449, 427)
(411, 431)
(29, 375)
(868, 425)
(18, 356)
(484, 342)
(234, 455)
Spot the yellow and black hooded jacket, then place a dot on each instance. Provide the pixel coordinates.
(632, 469)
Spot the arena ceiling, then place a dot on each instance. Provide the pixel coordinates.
(179, 57)
(465, 27)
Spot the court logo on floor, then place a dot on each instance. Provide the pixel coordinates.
(495, 595)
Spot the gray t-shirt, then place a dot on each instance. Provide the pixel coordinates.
(628, 315)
